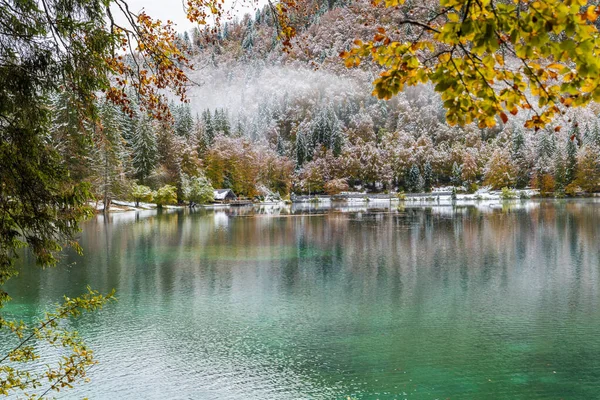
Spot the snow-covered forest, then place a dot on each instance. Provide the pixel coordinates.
(263, 121)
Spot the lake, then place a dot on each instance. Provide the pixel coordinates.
(488, 301)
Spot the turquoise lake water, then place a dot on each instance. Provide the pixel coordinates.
(441, 302)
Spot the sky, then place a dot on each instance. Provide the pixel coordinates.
(164, 10)
(174, 10)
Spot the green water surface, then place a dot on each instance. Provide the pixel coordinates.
(441, 302)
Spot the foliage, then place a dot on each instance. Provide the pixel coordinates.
(336, 186)
(165, 195)
(141, 193)
(472, 188)
(507, 194)
(469, 170)
(500, 171)
(74, 362)
(485, 56)
(242, 166)
(588, 169)
(199, 190)
(545, 183)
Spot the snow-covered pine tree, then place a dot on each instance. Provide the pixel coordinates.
(414, 180)
(571, 160)
(559, 172)
(456, 177)
(221, 122)
(592, 135)
(545, 148)
(304, 148)
(184, 122)
(208, 127)
(112, 158)
(145, 149)
(518, 155)
(71, 139)
(249, 36)
(427, 177)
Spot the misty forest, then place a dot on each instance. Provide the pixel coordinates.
(266, 122)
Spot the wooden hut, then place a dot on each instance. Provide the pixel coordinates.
(224, 196)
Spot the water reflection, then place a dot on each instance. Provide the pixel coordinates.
(486, 300)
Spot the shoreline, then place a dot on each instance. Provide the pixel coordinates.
(413, 199)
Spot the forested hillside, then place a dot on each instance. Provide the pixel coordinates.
(265, 120)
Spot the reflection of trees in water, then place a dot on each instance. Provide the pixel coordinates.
(530, 251)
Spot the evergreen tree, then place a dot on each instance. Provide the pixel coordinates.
(280, 146)
(221, 122)
(111, 155)
(545, 147)
(519, 159)
(249, 36)
(456, 178)
(414, 181)
(145, 149)
(303, 152)
(571, 161)
(427, 177)
(592, 135)
(187, 41)
(184, 122)
(560, 181)
(208, 127)
(70, 138)
(326, 131)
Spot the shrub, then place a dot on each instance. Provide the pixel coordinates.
(198, 189)
(572, 189)
(336, 186)
(141, 193)
(524, 195)
(508, 194)
(545, 183)
(165, 195)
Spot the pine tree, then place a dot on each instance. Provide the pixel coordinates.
(208, 127)
(221, 122)
(184, 122)
(456, 178)
(427, 177)
(71, 139)
(145, 149)
(519, 159)
(592, 136)
(414, 181)
(303, 153)
(187, 41)
(249, 36)
(559, 173)
(111, 155)
(571, 161)
(280, 146)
